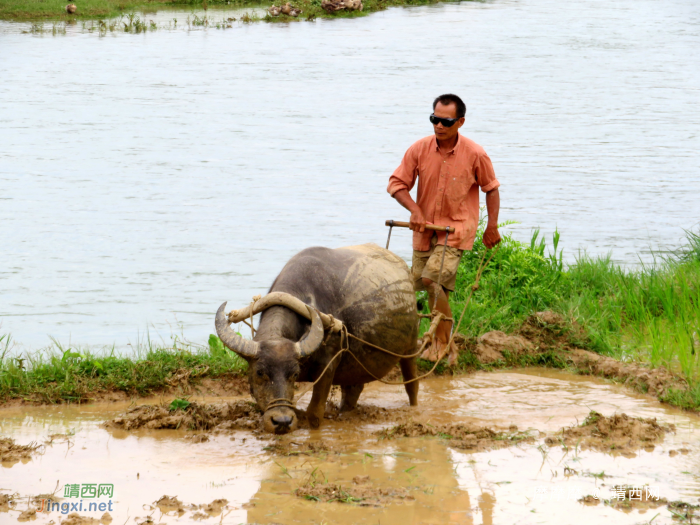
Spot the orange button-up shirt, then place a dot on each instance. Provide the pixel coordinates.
(448, 188)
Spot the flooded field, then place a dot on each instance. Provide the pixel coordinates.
(147, 178)
(353, 471)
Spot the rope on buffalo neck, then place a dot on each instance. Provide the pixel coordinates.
(343, 349)
(280, 402)
(255, 299)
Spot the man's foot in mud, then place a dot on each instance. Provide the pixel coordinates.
(453, 354)
(435, 351)
(429, 353)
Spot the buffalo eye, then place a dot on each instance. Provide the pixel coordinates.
(260, 373)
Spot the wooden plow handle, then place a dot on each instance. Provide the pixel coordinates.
(400, 224)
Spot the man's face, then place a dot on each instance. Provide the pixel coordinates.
(446, 111)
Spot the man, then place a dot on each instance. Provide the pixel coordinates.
(450, 169)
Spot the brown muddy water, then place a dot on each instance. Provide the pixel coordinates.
(405, 480)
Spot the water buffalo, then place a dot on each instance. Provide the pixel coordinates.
(366, 287)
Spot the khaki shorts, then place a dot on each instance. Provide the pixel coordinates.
(427, 264)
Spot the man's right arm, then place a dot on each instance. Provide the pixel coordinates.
(417, 220)
(400, 184)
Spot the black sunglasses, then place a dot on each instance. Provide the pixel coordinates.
(447, 122)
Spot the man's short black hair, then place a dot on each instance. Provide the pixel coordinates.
(448, 99)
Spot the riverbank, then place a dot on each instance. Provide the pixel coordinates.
(55, 10)
(649, 315)
(638, 327)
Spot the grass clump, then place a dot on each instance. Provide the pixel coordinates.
(58, 374)
(178, 404)
(30, 10)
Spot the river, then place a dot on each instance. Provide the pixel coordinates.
(145, 179)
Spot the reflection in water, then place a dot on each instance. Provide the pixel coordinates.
(449, 485)
(423, 466)
(147, 178)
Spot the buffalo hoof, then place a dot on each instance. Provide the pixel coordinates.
(314, 420)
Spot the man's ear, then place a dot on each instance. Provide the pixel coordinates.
(461, 122)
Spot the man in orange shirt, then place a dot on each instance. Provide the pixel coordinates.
(450, 169)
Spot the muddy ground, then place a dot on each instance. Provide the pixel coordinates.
(616, 434)
(485, 448)
(11, 452)
(527, 446)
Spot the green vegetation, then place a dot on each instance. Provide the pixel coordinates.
(179, 404)
(33, 10)
(649, 315)
(59, 374)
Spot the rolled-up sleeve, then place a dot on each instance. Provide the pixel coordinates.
(485, 175)
(404, 177)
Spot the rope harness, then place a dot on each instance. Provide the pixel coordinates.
(345, 335)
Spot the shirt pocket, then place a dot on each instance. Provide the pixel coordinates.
(457, 190)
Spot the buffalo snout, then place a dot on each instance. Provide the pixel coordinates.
(280, 420)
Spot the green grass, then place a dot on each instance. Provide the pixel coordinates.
(58, 374)
(56, 9)
(649, 315)
(36, 10)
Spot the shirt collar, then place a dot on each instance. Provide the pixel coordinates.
(452, 151)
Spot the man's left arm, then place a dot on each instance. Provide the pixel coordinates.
(493, 205)
(486, 177)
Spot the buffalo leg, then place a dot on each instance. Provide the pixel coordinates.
(409, 370)
(350, 396)
(317, 406)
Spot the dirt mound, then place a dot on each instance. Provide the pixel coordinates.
(361, 491)
(174, 507)
(220, 416)
(170, 504)
(656, 381)
(370, 414)
(460, 435)
(491, 345)
(5, 501)
(618, 433)
(27, 515)
(75, 519)
(215, 507)
(12, 453)
(285, 447)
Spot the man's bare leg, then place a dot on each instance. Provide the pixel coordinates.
(438, 349)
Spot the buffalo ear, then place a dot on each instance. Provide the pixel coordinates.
(313, 339)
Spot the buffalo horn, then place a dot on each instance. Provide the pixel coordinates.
(313, 339)
(231, 339)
